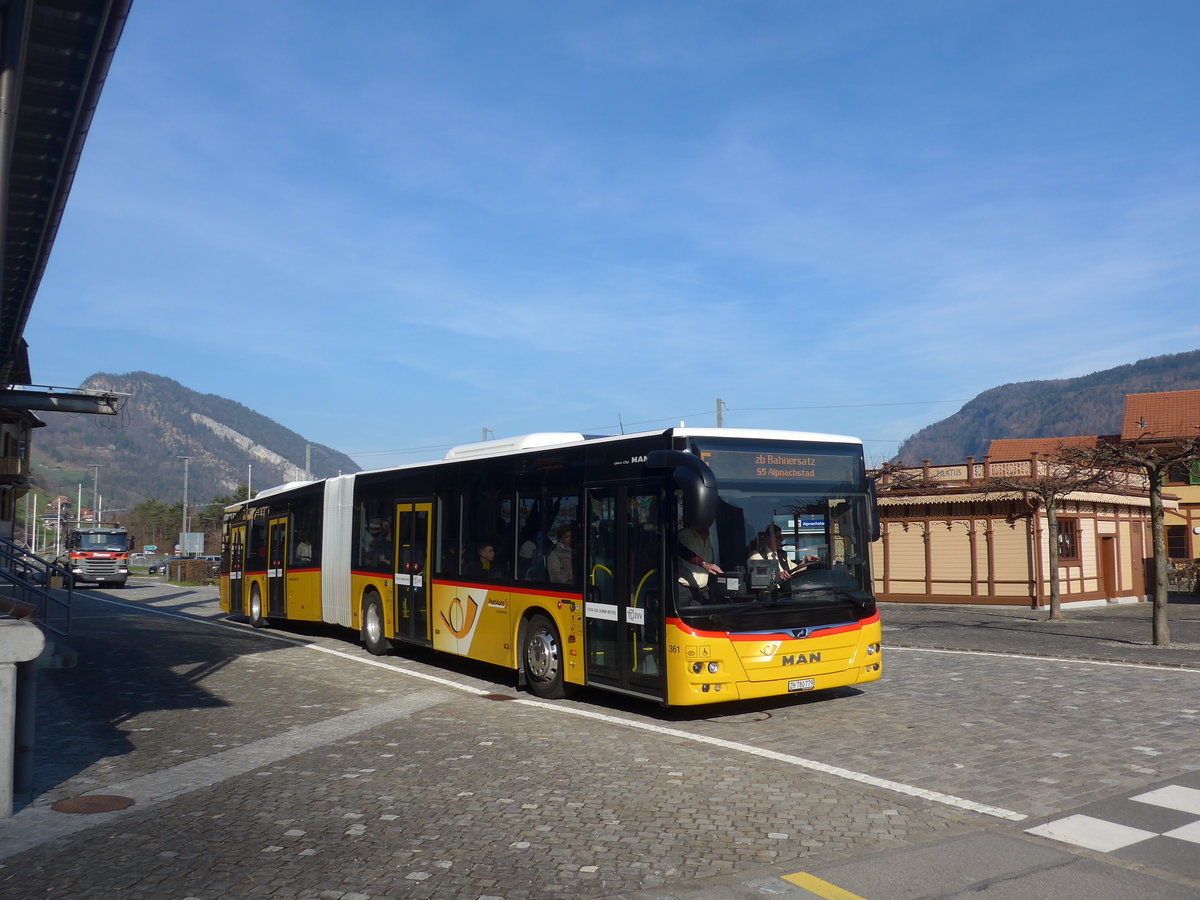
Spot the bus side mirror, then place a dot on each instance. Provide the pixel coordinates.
(697, 482)
(873, 511)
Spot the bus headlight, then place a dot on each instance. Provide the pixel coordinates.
(872, 649)
(696, 667)
(713, 667)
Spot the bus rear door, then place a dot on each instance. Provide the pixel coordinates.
(623, 608)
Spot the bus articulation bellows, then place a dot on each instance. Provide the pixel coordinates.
(687, 566)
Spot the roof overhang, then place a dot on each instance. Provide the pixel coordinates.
(1139, 501)
(54, 58)
(104, 403)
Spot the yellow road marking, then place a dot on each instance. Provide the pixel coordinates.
(820, 888)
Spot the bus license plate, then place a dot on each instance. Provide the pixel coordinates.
(802, 684)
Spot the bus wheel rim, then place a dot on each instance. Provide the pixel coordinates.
(373, 624)
(541, 656)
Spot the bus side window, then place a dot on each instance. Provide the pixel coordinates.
(302, 533)
(449, 549)
(256, 550)
(488, 523)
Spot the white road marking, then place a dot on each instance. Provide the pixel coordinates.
(1173, 796)
(732, 746)
(1094, 834)
(1189, 832)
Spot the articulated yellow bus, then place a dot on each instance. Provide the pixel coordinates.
(687, 566)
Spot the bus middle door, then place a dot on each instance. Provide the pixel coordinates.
(277, 568)
(623, 608)
(414, 522)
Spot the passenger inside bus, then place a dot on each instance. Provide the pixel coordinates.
(482, 566)
(531, 559)
(560, 562)
(379, 553)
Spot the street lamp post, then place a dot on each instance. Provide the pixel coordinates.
(183, 535)
(95, 467)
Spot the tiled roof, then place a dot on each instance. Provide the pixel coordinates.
(1011, 449)
(1163, 415)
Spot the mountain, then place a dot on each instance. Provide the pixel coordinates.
(1090, 404)
(138, 451)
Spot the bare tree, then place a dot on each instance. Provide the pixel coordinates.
(1048, 482)
(1153, 456)
(909, 479)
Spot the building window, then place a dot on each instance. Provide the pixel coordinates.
(1184, 473)
(1068, 539)
(1177, 542)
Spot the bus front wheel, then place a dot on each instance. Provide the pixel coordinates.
(256, 610)
(541, 658)
(372, 626)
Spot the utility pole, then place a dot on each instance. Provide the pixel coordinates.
(183, 534)
(308, 462)
(720, 413)
(249, 476)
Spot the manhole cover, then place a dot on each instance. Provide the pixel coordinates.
(92, 803)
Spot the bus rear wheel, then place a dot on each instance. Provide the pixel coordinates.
(257, 619)
(372, 626)
(541, 658)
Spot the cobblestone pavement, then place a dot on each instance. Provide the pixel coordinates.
(290, 764)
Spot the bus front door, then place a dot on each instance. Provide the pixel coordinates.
(623, 608)
(277, 568)
(414, 522)
(237, 568)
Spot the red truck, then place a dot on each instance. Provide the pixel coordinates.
(98, 554)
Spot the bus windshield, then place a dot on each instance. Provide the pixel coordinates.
(791, 533)
(796, 548)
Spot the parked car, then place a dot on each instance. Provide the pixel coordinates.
(160, 568)
(213, 563)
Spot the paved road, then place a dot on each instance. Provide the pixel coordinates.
(1000, 756)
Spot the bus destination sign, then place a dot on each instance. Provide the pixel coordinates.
(780, 465)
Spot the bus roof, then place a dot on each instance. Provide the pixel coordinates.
(549, 439)
(562, 439)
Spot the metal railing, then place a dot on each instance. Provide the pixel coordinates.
(31, 581)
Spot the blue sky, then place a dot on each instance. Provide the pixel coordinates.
(390, 225)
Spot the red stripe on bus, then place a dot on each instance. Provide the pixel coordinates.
(813, 631)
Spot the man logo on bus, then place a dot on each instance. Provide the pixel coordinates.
(800, 659)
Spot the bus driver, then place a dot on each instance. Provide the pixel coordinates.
(695, 566)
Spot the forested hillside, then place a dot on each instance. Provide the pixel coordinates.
(1090, 404)
(138, 451)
